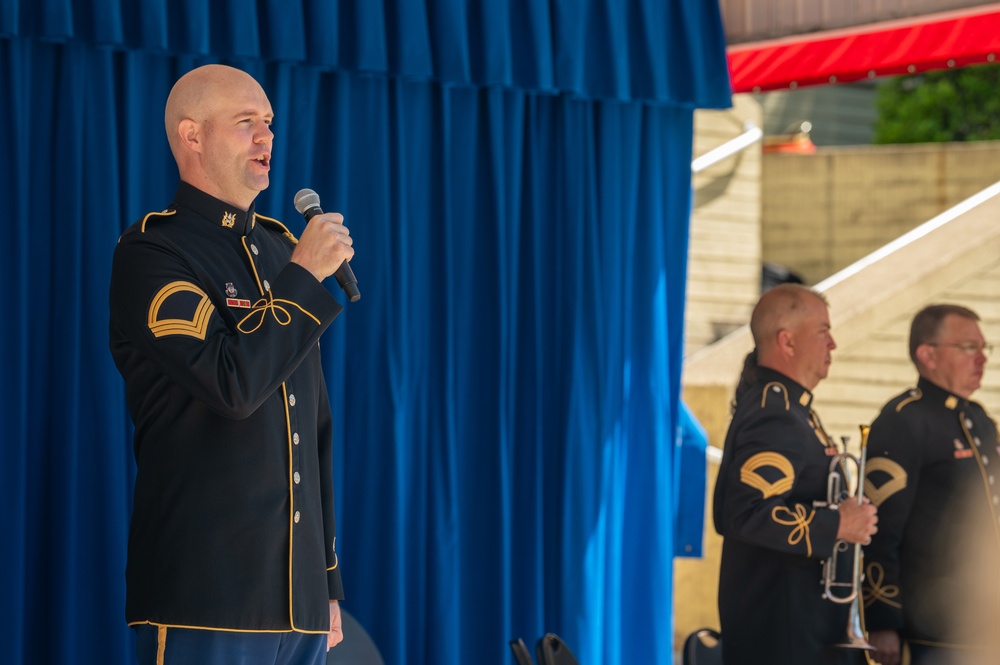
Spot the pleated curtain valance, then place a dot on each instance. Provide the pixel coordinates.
(629, 50)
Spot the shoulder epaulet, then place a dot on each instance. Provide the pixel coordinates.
(913, 396)
(154, 217)
(278, 226)
(774, 388)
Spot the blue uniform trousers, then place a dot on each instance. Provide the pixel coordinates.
(183, 646)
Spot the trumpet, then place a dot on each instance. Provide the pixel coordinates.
(835, 590)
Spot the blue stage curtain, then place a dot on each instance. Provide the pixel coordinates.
(668, 51)
(516, 176)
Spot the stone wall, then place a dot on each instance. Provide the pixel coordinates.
(724, 261)
(822, 212)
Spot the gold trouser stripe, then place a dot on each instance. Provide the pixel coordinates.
(161, 644)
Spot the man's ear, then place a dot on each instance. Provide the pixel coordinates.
(189, 132)
(927, 356)
(786, 342)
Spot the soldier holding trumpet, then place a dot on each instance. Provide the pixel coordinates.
(774, 470)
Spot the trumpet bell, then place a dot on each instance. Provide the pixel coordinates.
(854, 638)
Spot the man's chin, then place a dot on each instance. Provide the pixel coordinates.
(257, 182)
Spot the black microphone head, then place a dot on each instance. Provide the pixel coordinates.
(306, 199)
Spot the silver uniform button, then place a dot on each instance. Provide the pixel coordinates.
(296, 477)
(295, 438)
(991, 480)
(291, 400)
(996, 500)
(296, 517)
(986, 460)
(267, 285)
(253, 248)
(978, 442)
(968, 423)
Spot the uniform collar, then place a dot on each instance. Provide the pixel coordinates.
(935, 394)
(219, 213)
(797, 393)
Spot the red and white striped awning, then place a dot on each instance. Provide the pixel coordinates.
(905, 46)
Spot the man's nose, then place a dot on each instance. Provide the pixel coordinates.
(264, 134)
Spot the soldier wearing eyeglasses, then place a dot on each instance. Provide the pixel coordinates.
(933, 472)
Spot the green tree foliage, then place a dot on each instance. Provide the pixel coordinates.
(946, 105)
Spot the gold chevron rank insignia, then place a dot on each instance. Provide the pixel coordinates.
(770, 473)
(180, 308)
(883, 478)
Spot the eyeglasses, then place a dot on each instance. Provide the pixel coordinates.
(968, 348)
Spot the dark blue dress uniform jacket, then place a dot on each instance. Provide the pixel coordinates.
(217, 336)
(774, 466)
(934, 473)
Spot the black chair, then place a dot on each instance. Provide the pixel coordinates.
(521, 654)
(552, 650)
(703, 647)
(357, 648)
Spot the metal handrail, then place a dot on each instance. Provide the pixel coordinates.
(751, 134)
(911, 236)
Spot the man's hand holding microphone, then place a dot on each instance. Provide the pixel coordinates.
(325, 247)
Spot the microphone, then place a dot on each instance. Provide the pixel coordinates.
(307, 203)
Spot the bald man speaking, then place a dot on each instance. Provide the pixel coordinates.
(216, 316)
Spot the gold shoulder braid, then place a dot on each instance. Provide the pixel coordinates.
(775, 386)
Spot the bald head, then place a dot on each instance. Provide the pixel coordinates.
(218, 122)
(791, 330)
(198, 94)
(780, 308)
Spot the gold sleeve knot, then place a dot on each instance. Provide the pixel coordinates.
(798, 518)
